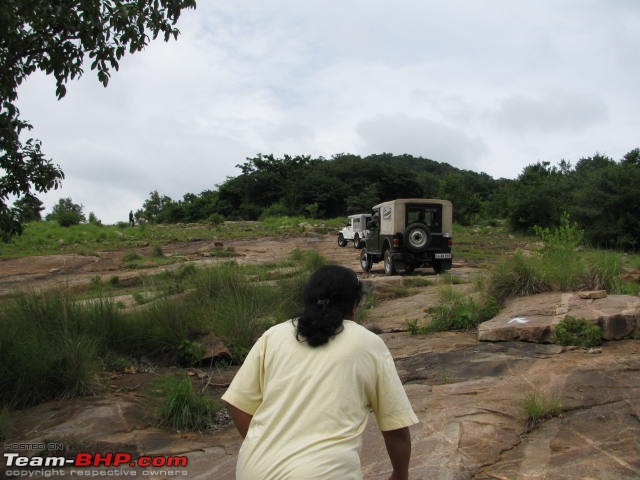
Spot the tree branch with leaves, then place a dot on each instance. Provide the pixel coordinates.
(55, 37)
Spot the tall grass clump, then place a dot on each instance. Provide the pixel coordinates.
(539, 407)
(516, 276)
(45, 352)
(183, 408)
(459, 311)
(160, 330)
(234, 308)
(561, 264)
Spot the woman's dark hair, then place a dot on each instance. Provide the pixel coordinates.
(330, 295)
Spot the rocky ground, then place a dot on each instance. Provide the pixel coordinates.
(468, 394)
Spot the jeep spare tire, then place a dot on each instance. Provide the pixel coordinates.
(417, 237)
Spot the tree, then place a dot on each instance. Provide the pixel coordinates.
(54, 37)
(28, 209)
(155, 204)
(537, 198)
(67, 213)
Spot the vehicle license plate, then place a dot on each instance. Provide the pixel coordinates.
(442, 255)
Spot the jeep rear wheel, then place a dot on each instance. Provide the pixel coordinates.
(389, 267)
(365, 261)
(341, 240)
(417, 237)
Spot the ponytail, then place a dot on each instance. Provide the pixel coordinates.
(331, 295)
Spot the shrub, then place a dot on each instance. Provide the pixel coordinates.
(566, 237)
(216, 219)
(578, 332)
(67, 213)
(182, 407)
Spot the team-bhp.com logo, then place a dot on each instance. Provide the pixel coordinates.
(85, 459)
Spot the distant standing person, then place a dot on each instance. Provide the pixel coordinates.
(302, 397)
(132, 221)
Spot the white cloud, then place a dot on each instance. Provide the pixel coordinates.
(489, 86)
(421, 137)
(558, 113)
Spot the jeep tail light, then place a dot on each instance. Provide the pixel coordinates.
(450, 242)
(396, 242)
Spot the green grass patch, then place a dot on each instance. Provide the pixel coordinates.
(540, 407)
(555, 270)
(460, 311)
(181, 407)
(48, 237)
(486, 244)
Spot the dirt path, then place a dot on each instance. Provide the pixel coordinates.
(72, 270)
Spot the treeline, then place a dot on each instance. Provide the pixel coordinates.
(600, 194)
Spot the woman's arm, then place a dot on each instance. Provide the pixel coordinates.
(240, 418)
(398, 443)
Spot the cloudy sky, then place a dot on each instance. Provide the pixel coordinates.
(490, 86)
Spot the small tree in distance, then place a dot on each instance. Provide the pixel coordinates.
(67, 213)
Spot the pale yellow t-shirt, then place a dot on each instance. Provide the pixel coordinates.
(311, 405)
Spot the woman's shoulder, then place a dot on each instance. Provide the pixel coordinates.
(362, 333)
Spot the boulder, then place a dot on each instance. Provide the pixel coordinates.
(533, 318)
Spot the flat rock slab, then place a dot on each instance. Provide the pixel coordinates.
(534, 318)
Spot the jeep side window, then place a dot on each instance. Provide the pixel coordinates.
(375, 221)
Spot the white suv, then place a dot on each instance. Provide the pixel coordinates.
(355, 231)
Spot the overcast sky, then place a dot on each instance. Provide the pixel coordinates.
(490, 86)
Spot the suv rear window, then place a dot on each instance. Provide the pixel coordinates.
(431, 215)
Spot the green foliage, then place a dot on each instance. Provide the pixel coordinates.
(415, 328)
(29, 209)
(121, 364)
(190, 352)
(55, 38)
(564, 238)
(578, 332)
(182, 408)
(131, 257)
(459, 311)
(67, 213)
(94, 220)
(559, 266)
(539, 407)
(45, 351)
(516, 276)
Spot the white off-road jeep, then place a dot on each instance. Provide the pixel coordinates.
(409, 233)
(355, 231)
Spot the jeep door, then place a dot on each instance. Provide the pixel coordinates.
(373, 238)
